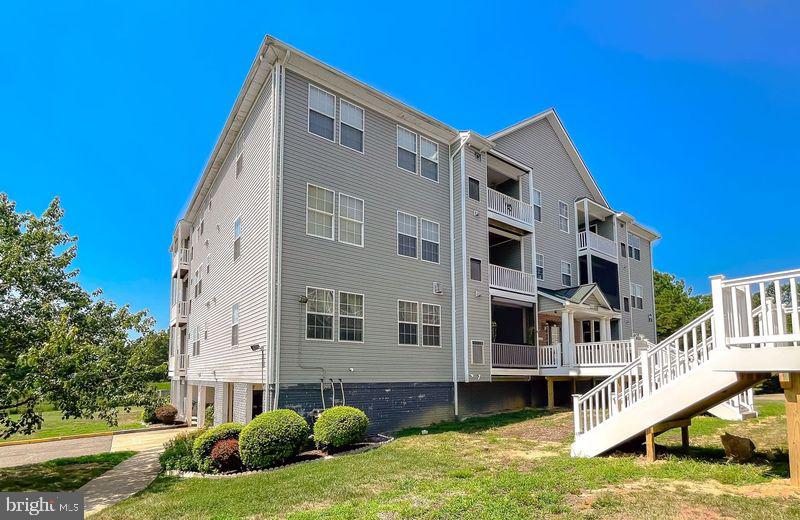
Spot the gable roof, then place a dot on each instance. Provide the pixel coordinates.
(578, 294)
(561, 132)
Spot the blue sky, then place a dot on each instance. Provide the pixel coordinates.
(686, 113)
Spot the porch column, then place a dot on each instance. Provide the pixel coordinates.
(201, 406)
(566, 336)
(605, 329)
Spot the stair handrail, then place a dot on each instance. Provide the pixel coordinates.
(689, 326)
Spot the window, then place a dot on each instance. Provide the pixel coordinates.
(351, 317)
(429, 162)
(198, 281)
(351, 220)
(202, 226)
(234, 324)
(237, 237)
(429, 232)
(623, 250)
(636, 296)
(474, 189)
(239, 164)
(351, 126)
(477, 352)
(205, 330)
(539, 266)
(321, 112)
(431, 325)
(626, 304)
(319, 314)
(196, 342)
(566, 274)
(563, 216)
(208, 263)
(475, 269)
(407, 323)
(406, 234)
(634, 247)
(406, 149)
(537, 205)
(319, 212)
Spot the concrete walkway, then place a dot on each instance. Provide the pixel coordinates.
(121, 482)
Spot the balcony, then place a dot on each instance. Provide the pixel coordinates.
(179, 313)
(602, 356)
(509, 210)
(511, 280)
(180, 261)
(592, 241)
(181, 363)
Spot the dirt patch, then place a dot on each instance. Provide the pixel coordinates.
(555, 428)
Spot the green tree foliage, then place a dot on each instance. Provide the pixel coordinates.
(58, 343)
(675, 304)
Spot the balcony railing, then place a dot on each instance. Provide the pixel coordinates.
(550, 356)
(589, 240)
(508, 355)
(182, 362)
(512, 280)
(509, 207)
(180, 310)
(181, 256)
(605, 353)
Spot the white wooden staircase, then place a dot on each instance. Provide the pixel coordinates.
(707, 363)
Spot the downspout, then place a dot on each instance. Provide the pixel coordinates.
(464, 259)
(453, 333)
(268, 341)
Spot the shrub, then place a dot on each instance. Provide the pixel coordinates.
(225, 455)
(205, 443)
(340, 426)
(149, 409)
(178, 452)
(209, 414)
(166, 413)
(271, 438)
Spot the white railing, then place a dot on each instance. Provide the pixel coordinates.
(180, 310)
(511, 279)
(758, 311)
(508, 355)
(181, 256)
(605, 353)
(743, 402)
(589, 240)
(182, 361)
(549, 356)
(509, 206)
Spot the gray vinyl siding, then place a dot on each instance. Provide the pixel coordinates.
(376, 271)
(246, 280)
(626, 330)
(556, 177)
(641, 272)
(459, 195)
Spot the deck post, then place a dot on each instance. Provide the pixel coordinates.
(551, 397)
(718, 318)
(576, 410)
(650, 444)
(201, 406)
(791, 387)
(685, 439)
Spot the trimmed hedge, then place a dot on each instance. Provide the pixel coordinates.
(340, 426)
(225, 455)
(205, 443)
(271, 438)
(166, 413)
(178, 452)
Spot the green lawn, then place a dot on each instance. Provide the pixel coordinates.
(55, 426)
(59, 474)
(507, 466)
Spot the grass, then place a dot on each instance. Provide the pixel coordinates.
(514, 465)
(60, 474)
(55, 426)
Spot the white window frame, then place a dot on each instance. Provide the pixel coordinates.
(415, 152)
(237, 237)
(342, 217)
(539, 256)
(397, 329)
(308, 115)
(637, 296)
(637, 240)
(437, 242)
(332, 213)
(239, 166)
(196, 341)
(422, 324)
(235, 318)
(332, 315)
(362, 129)
(472, 345)
(434, 143)
(398, 233)
(535, 205)
(562, 217)
(568, 273)
(339, 316)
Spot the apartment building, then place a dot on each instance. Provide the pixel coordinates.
(342, 247)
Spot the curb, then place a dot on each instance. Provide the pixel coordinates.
(91, 435)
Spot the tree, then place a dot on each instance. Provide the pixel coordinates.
(675, 304)
(59, 343)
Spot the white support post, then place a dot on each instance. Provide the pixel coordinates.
(566, 336)
(576, 408)
(645, 374)
(201, 406)
(718, 318)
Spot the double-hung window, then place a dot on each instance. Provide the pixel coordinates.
(539, 266)
(319, 212)
(406, 235)
(474, 189)
(239, 164)
(351, 126)
(429, 159)
(566, 274)
(321, 112)
(319, 314)
(429, 232)
(477, 352)
(351, 317)
(237, 238)
(563, 216)
(636, 296)
(196, 342)
(351, 220)
(431, 325)
(406, 149)
(407, 322)
(234, 324)
(537, 205)
(634, 247)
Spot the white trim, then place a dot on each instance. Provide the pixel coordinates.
(632, 248)
(308, 114)
(332, 214)
(237, 237)
(534, 206)
(570, 273)
(363, 129)
(565, 216)
(536, 266)
(397, 232)
(438, 241)
(341, 217)
(434, 143)
(235, 323)
(363, 317)
(423, 324)
(415, 152)
(397, 330)
(332, 315)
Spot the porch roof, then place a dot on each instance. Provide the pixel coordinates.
(576, 297)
